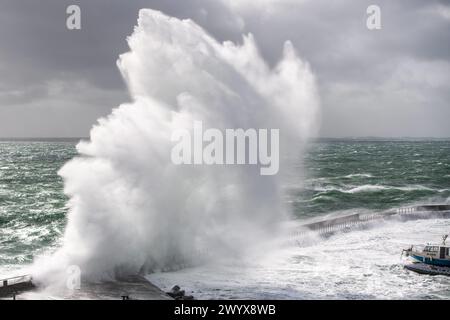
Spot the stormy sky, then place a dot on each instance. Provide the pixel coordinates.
(391, 82)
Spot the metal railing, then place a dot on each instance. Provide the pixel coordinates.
(332, 225)
(11, 281)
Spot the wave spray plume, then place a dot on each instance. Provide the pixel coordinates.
(129, 205)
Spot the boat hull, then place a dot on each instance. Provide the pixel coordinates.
(431, 261)
(423, 268)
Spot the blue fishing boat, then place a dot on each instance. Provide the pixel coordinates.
(431, 254)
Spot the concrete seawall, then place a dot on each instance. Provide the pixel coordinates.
(127, 288)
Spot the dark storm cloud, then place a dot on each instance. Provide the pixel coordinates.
(392, 81)
(34, 36)
(37, 52)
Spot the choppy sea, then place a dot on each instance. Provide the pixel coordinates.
(339, 177)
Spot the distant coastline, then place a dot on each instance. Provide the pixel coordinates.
(317, 139)
(381, 139)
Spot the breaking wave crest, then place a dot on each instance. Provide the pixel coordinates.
(375, 188)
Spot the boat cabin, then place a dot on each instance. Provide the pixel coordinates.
(437, 251)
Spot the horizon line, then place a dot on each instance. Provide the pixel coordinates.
(24, 138)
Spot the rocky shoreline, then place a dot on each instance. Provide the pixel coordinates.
(178, 294)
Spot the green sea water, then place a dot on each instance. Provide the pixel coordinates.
(345, 175)
(374, 175)
(32, 202)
